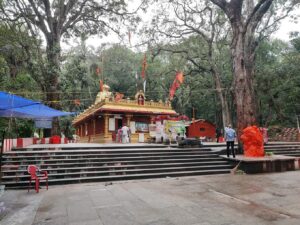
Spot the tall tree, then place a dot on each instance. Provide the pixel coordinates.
(246, 17)
(58, 19)
(204, 30)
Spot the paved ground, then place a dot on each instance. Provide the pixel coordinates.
(203, 200)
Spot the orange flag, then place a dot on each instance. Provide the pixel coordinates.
(101, 85)
(179, 77)
(176, 84)
(118, 96)
(77, 102)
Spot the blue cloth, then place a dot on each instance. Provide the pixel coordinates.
(15, 106)
(229, 134)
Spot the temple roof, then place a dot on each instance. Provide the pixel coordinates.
(126, 105)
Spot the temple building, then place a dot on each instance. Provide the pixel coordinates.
(101, 121)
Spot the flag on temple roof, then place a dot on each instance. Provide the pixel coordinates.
(101, 85)
(118, 96)
(77, 102)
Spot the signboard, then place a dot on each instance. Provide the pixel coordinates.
(152, 130)
(132, 127)
(142, 127)
(111, 124)
(174, 129)
(159, 131)
(141, 137)
(43, 123)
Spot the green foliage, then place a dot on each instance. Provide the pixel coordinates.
(277, 83)
(15, 128)
(119, 67)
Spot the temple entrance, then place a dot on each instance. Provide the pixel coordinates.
(118, 123)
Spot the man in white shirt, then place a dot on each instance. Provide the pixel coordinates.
(230, 136)
(125, 134)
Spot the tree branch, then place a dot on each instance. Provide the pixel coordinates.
(41, 23)
(258, 12)
(48, 13)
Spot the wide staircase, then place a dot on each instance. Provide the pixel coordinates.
(288, 149)
(95, 164)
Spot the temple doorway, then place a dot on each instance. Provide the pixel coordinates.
(119, 123)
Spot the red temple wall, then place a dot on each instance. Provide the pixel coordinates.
(202, 129)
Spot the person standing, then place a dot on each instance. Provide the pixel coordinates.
(218, 134)
(125, 133)
(230, 136)
(119, 135)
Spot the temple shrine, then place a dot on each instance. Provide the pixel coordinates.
(101, 121)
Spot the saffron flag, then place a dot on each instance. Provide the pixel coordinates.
(144, 66)
(179, 77)
(101, 85)
(176, 84)
(77, 102)
(118, 96)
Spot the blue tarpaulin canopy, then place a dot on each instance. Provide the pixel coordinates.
(10, 101)
(16, 106)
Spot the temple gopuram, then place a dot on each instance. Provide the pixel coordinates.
(101, 121)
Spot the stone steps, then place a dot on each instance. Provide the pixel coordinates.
(114, 167)
(57, 164)
(65, 166)
(80, 147)
(97, 155)
(109, 171)
(24, 184)
(284, 149)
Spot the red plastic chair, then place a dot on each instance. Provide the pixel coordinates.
(43, 175)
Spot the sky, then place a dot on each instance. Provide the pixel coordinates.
(286, 26)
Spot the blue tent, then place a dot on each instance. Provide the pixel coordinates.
(16, 106)
(10, 101)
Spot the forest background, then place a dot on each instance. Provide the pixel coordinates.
(195, 38)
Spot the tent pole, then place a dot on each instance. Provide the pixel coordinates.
(1, 153)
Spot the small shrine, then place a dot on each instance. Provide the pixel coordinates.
(101, 121)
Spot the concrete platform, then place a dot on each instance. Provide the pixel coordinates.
(266, 199)
(267, 164)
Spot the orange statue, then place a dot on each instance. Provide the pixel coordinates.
(253, 142)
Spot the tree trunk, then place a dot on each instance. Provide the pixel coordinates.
(243, 69)
(226, 119)
(53, 94)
